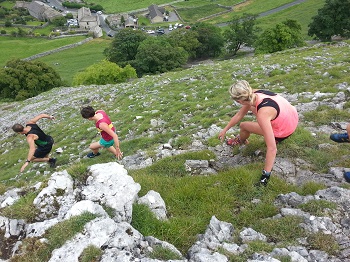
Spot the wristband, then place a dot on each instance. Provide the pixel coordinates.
(28, 161)
(265, 173)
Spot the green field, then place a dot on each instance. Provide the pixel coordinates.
(17, 47)
(69, 62)
(302, 13)
(251, 7)
(198, 3)
(122, 6)
(191, 15)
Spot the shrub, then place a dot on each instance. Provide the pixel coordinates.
(23, 79)
(103, 73)
(90, 254)
(22, 209)
(321, 241)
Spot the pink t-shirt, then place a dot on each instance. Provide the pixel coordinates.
(287, 120)
(106, 120)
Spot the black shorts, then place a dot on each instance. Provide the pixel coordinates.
(280, 139)
(43, 151)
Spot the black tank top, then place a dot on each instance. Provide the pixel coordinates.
(43, 139)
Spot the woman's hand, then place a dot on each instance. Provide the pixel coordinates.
(222, 135)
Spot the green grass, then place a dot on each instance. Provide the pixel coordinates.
(122, 6)
(7, 4)
(23, 208)
(191, 15)
(302, 13)
(35, 250)
(71, 61)
(251, 7)
(26, 47)
(91, 254)
(227, 195)
(318, 207)
(199, 3)
(324, 115)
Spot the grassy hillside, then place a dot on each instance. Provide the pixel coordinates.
(187, 102)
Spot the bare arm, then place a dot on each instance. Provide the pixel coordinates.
(234, 120)
(106, 128)
(264, 117)
(38, 117)
(30, 139)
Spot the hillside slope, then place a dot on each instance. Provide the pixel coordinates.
(186, 109)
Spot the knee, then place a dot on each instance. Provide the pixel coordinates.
(243, 125)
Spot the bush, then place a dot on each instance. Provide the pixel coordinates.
(104, 73)
(23, 79)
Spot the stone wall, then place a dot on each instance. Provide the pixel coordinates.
(58, 49)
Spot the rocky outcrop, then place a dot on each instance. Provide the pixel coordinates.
(109, 185)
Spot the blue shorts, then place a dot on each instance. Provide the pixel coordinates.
(105, 143)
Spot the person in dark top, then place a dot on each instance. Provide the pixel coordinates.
(40, 144)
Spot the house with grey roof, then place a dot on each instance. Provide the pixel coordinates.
(89, 22)
(42, 11)
(115, 21)
(156, 14)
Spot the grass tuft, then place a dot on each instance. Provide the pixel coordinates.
(91, 254)
(324, 242)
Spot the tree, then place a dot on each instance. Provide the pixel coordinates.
(122, 20)
(157, 55)
(283, 36)
(69, 16)
(187, 39)
(103, 73)
(123, 48)
(241, 31)
(210, 38)
(8, 23)
(23, 79)
(59, 21)
(332, 19)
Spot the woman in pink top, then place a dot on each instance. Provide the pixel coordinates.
(276, 118)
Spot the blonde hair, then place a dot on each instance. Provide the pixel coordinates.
(241, 91)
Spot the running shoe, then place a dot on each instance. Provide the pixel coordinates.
(92, 155)
(347, 176)
(264, 179)
(235, 141)
(52, 162)
(340, 138)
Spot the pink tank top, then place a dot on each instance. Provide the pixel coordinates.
(106, 120)
(287, 120)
